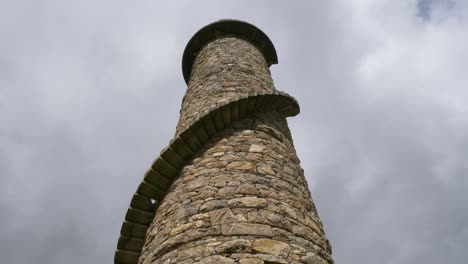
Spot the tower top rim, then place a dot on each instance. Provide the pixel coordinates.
(226, 27)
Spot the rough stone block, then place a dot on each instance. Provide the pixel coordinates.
(254, 202)
(240, 165)
(226, 112)
(164, 168)
(200, 132)
(218, 119)
(130, 243)
(173, 158)
(212, 205)
(230, 229)
(251, 104)
(209, 124)
(151, 191)
(139, 217)
(235, 111)
(133, 230)
(142, 203)
(181, 148)
(217, 259)
(243, 103)
(126, 257)
(251, 261)
(154, 178)
(191, 140)
(235, 245)
(311, 258)
(269, 246)
(256, 148)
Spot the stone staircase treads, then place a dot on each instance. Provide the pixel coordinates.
(151, 191)
(133, 230)
(156, 179)
(200, 132)
(291, 108)
(252, 99)
(226, 112)
(260, 102)
(218, 118)
(139, 217)
(243, 102)
(164, 168)
(235, 110)
(209, 125)
(126, 257)
(191, 140)
(281, 103)
(271, 102)
(173, 158)
(181, 148)
(130, 243)
(142, 203)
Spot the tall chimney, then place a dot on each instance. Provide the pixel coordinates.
(229, 187)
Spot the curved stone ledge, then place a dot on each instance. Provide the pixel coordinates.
(222, 28)
(173, 158)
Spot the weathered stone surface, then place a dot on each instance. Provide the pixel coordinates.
(272, 259)
(247, 189)
(213, 204)
(184, 227)
(230, 229)
(240, 165)
(266, 170)
(215, 260)
(241, 195)
(251, 261)
(222, 216)
(248, 202)
(235, 245)
(269, 246)
(256, 148)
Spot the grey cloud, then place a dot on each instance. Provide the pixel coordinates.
(90, 93)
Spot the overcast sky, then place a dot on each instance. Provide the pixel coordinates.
(90, 93)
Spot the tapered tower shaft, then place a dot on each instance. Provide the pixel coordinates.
(229, 188)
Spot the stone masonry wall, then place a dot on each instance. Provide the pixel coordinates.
(243, 198)
(225, 68)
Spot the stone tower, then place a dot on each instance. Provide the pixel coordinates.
(229, 187)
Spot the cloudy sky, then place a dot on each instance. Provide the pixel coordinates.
(90, 93)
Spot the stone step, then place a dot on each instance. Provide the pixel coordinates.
(235, 111)
(251, 103)
(226, 112)
(179, 146)
(218, 118)
(200, 132)
(151, 191)
(133, 230)
(130, 244)
(191, 140)
(139, 217)
(165, 168)
(243, 103)
(209, 124)
(154, 178)
(173, 158)
(181, 149)
(142, 202)
(126, 257)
